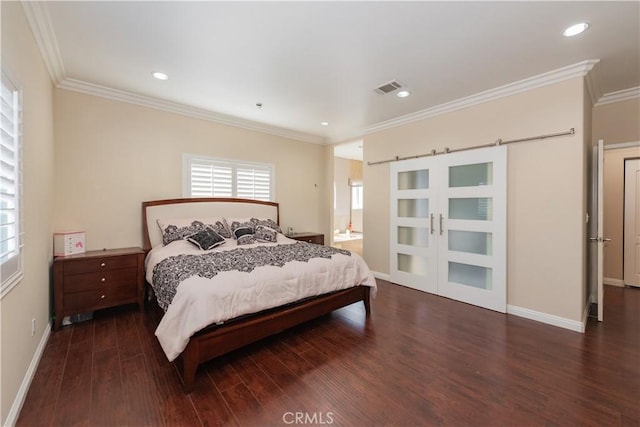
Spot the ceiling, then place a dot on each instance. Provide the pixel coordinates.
(309, 62)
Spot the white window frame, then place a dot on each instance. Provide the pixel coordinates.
(357, 195)
(12, 268)
(234, 165)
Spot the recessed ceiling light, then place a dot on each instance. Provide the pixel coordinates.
(160, 76)
(576, 29)
(403, 94)
(324, 123)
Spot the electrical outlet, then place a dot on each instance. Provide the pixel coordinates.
(33, 327)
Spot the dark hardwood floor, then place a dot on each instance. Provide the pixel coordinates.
(418, 360)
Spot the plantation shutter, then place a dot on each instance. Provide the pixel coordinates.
(222, 178)
(211, 179)
(10, 185)
(253, 182)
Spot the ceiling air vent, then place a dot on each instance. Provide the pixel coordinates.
(388, 87)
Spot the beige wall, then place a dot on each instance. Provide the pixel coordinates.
(30, 298)
(111, 156)
(341, 175)
(546, 180)
(615, 123)
(346, 171)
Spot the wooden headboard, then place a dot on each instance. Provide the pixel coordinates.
(208, 207)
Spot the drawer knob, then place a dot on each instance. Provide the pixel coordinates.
(103, 280)
(103, 264)
(103, 296)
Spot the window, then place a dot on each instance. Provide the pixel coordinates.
(210, 177)
(10, 186)
(356, 196)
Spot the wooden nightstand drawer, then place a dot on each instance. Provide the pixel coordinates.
(97, 279)
(100, 298)
(316, 238)
(99, 264)
(87, 281)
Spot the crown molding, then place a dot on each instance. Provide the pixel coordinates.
(185, 110)
(619, 96)
(580, 69)
(592, 80)
(39, 21)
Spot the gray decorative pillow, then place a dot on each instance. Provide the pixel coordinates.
(266, 234)
(173, 232)
(246, 239)
(221, 228)
(267, 222)
(238, 224)
(206, 239)
(242, 231)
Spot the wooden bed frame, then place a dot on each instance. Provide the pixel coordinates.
(217, 340)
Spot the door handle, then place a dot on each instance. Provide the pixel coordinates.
(599, 239)
(441, 226)
(431, 223)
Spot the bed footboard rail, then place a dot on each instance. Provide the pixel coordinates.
(222, 340)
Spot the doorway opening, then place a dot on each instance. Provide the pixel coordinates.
(348, 203)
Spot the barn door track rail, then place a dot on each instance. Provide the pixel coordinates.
(498, 143)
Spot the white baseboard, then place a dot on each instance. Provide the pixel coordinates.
(613, 282)
(549, 319)
(382, 276)
(28, 377)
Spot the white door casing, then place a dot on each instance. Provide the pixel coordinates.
(596, 229)
(631, 274)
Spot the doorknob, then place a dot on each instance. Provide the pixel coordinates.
(599, 239)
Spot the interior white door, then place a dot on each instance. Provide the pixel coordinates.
(413, 248)
(632, 222)
(597, 251)
(472, 228)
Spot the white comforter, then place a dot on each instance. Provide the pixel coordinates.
(200, 302)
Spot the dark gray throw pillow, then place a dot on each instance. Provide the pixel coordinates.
(242, 231)
(206, 239)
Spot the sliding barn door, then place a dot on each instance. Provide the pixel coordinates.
(472, 253)
(448, 225)
(414, 261)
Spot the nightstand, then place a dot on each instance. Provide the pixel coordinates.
(317, 238)
(97, 279)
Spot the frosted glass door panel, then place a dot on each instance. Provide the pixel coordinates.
(471, 175)
(470, 275)
(413, 236)
(473, 208)
(413, 264)
(474, 242)
(413, 180)
(413, 208)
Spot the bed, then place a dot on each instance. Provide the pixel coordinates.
(215, 301)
